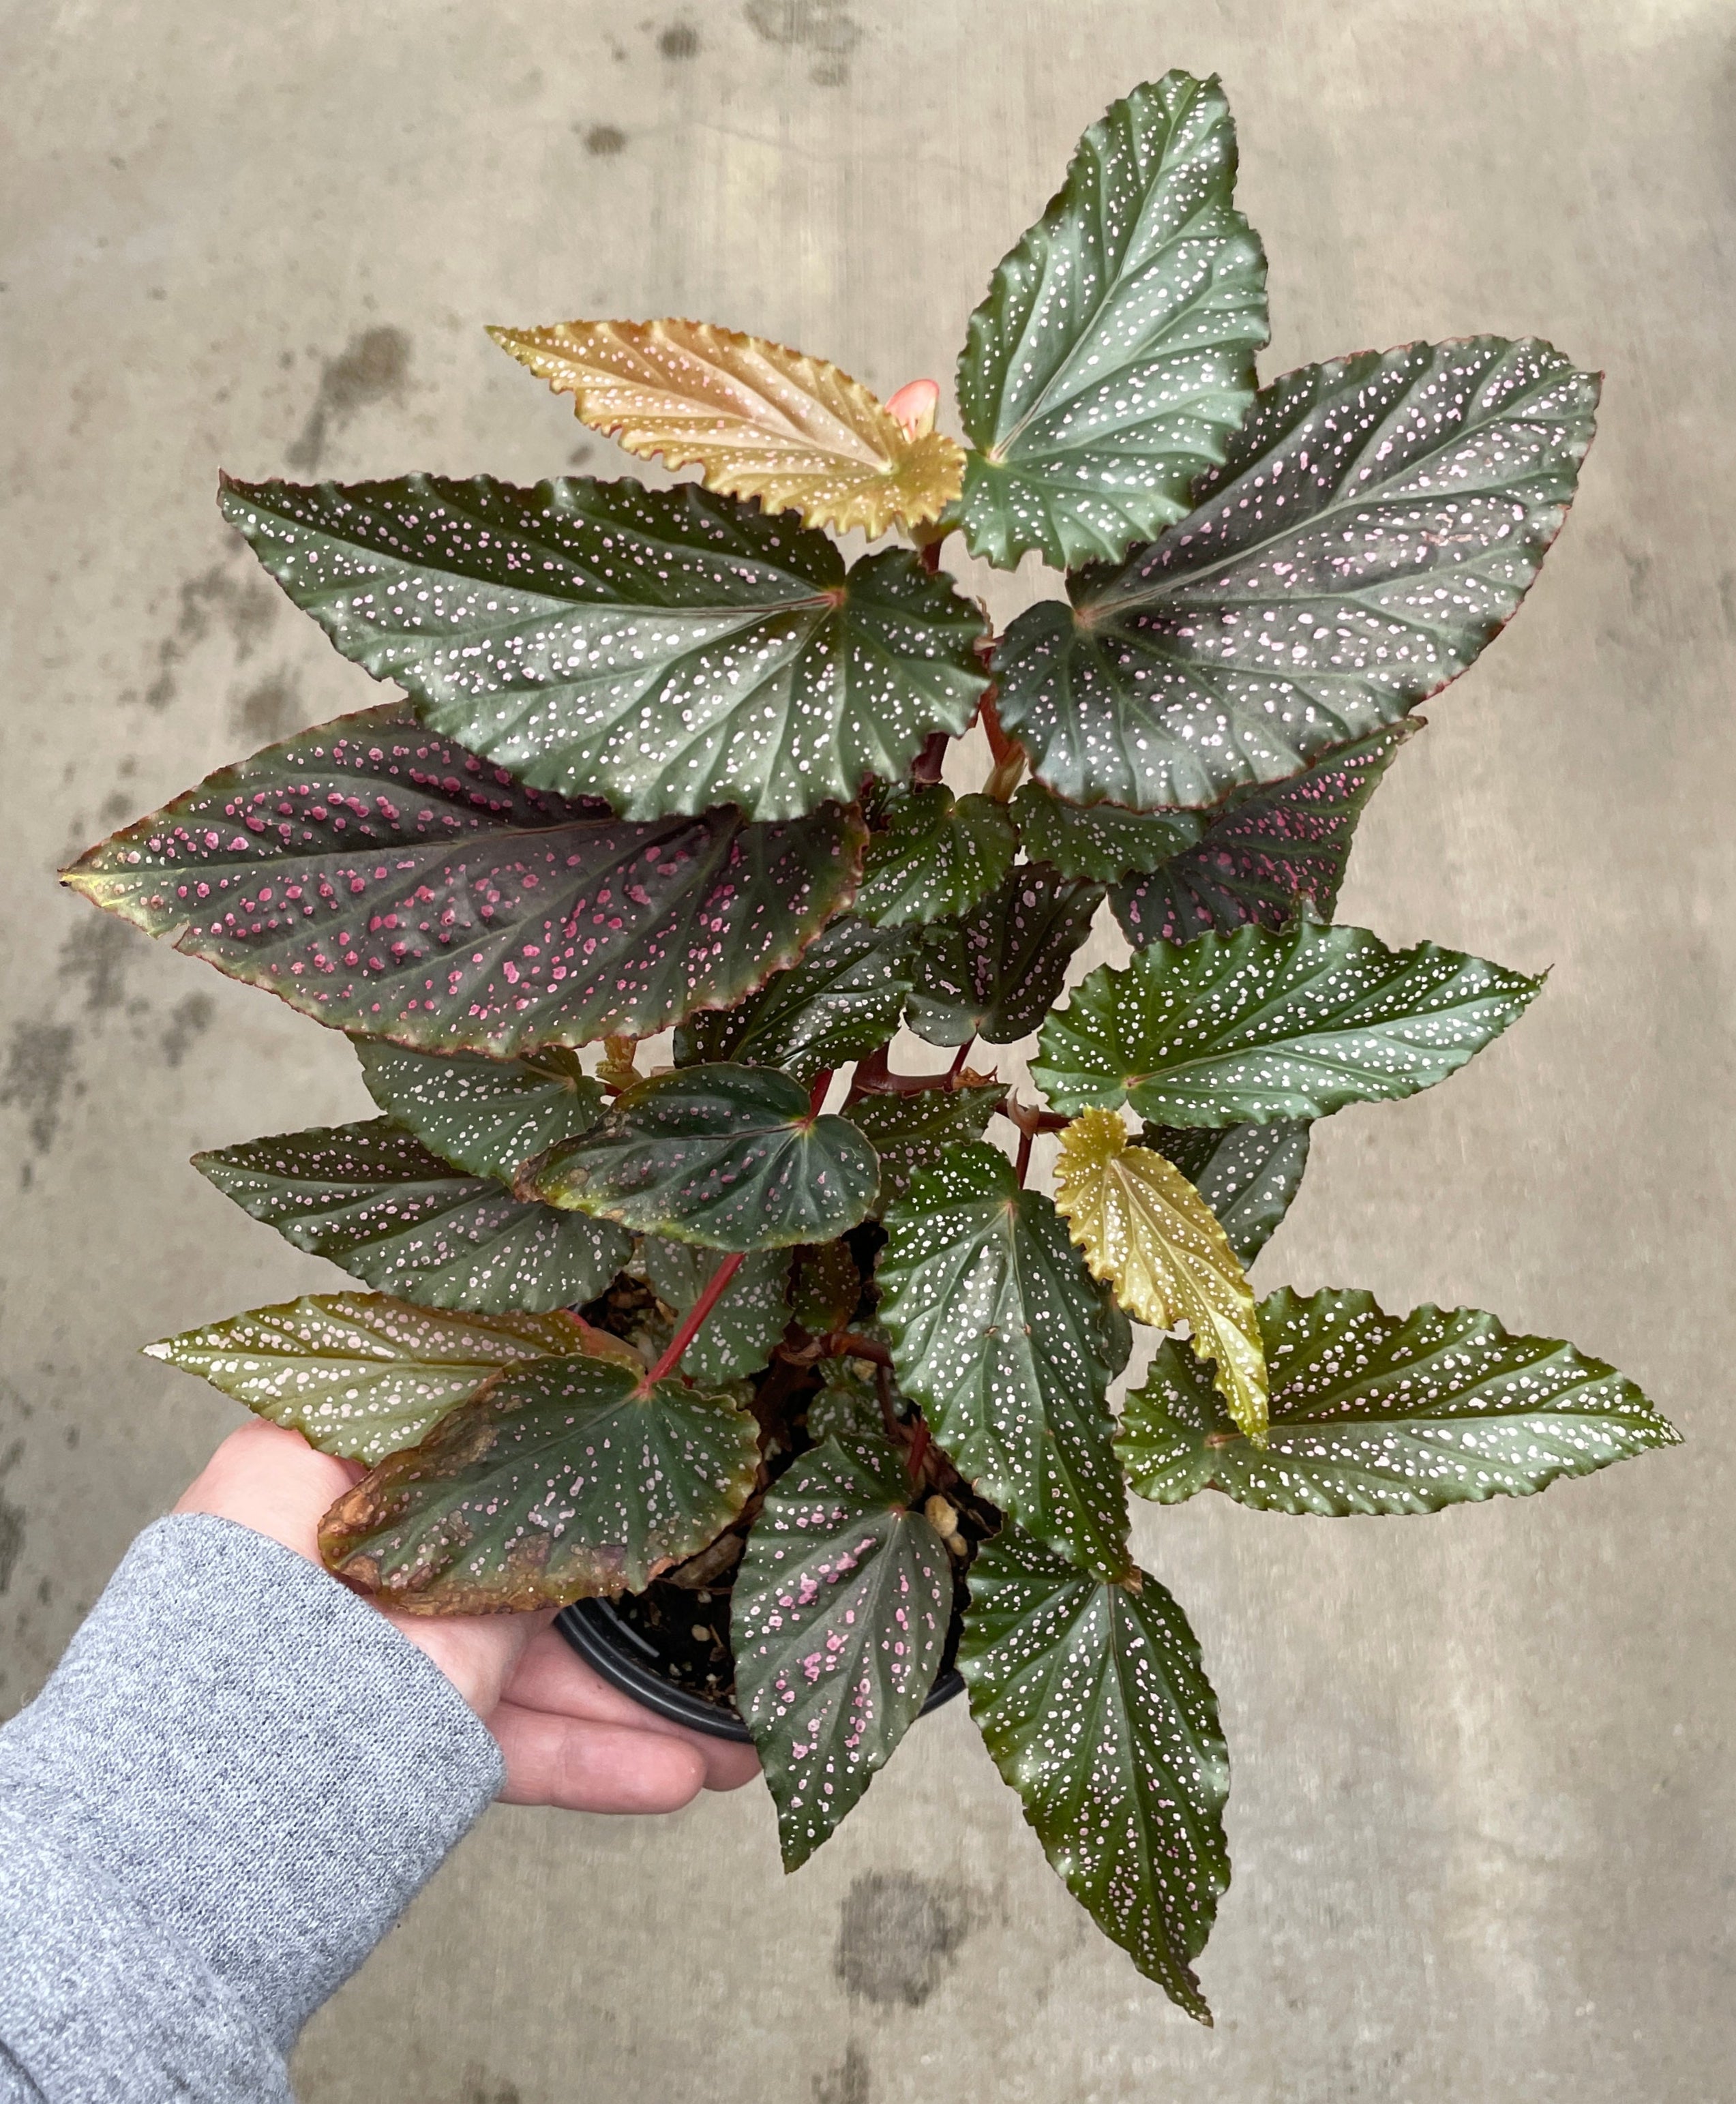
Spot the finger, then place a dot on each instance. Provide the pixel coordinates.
(552, 1677)
(269, 1478)
(579, 1766)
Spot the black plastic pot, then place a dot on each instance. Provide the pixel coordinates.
(607, 1641)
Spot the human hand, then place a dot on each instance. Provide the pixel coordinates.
(569, 1739)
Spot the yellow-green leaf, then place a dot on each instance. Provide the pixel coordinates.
(1147, 1232)
(756, 418)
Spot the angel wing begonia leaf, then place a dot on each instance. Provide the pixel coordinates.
(933, 854)
(914, 1132)
(1100, 841)
(842, 998)
(740, 1335)
(489, 1116)
(993, 972)
(1247, 1174)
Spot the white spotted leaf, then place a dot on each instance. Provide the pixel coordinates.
(842, 999)
(745, 1324)
(917, 1131)
(932, 854)
(489, 1116)
(993, 972)
(1247, 1174)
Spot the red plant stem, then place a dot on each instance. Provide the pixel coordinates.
(1000, 745)
(918, 1450)
(817, 1094)
(925, 770)
(963, 1053)
(883, 1396)
(929, 555)
(1026, 1135)
(715, 1287)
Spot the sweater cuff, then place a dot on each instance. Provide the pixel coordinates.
(267, 1768)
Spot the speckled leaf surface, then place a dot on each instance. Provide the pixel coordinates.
(1154, 1240)
(1114, 352)
(743, 1329)
(666, 650)
(917, 1132)
(385, 880)
(846, 1405)
(487, 1116)
(372, 1198)
(1251, 1026)
(933, 854)
(1247, 1174)
(994, 972)
(825, 1286)
(1388, 1414)
(842, 998)
(1098, 841)
(757, 419)
(840, 1612)
(1001, 1334)
(558, 1483)
(1093, 1702)
(1276, 850)
(725, 1155)
(1376, 522)
(360, 1374)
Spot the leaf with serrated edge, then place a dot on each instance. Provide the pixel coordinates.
(1098, 841)
(383, 879)
(842, 998)
(1115, 350)
(1147, 1233)
(933, 854)
(1376, 523)
(1247, 1174)
(489, 1116)
(1386, 1413)
(1275, 851)
(1092, 1701)
(840, 1611)
(993, 972)
(744, 1327)
(846, 1405)
(915, 1132)
(757, 419)
(728, 1156)
(372, 1198)
(360, 1374)
(1001, 1334)
(666, 650)
(1248, 1027)
(559, 1482)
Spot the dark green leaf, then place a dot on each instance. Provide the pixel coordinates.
(825, 1286)
(743, 1327)
(1253, 1027)
(559, 1482)
(1009, 1344)
(840, 1611)
(994, 973)
(666, 650)
(844, 998)
(1100, 841)
(1374, 1413)
(846, 1406)
(1093, 1702)
(359, 1375)
(1115, 350)
(385, 881)
(933, 855)
(489, 1117)
(1276, 849)
(373, 1198)
(918, 1131)
(1247, 1174)
(1377, 520)
(725, 1155)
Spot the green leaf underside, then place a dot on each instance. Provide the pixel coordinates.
(740, 1335)
(1385, 1414)
(840, 1613)
(842, 998)
(846, 1406)
(725, 1155)
(1252, 1027)
(666, 650)
(558, 1483)
(1101, 841)
(994, 973)
(1001, 1335)
(1276, 850)
(1092, 1701)
(1247, 1174)
(385, 880)
(487, 1116)
(1376, 523)
(934, 855)
(917, 1132)
(372, 1198)
(1115, 349)
(360, 1374)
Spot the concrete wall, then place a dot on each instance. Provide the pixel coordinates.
(1483, 1802)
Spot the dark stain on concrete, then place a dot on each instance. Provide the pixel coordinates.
(97, 950)
(823, 29)
(246, 606)
(268, 710)
(846, 2083)
(484, 2089)
(191, 1019)
(11, 1520)
(897, 1938)
(38, 1065)
(372, 367)
(681, 40)
(604, 140)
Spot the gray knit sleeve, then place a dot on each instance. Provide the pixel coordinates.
(237, 1778)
